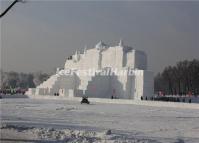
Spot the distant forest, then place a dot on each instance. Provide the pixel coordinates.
(183, 78)
(21, 80)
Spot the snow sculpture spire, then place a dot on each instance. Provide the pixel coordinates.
(77, 56)
(85, 49)
(121, 44)
(100, 45)
(57, 71)
(76, 53)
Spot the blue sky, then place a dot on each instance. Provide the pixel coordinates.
(40, 35)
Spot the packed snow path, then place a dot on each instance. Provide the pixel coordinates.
(136, 123)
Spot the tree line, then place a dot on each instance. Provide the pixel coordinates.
(181, 79)
(21, 80)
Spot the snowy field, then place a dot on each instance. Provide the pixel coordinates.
(39, 120)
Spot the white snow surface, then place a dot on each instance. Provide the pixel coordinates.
(49, 120)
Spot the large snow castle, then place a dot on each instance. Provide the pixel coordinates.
(102, 72)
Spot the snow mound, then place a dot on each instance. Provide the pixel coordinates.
(66, 135)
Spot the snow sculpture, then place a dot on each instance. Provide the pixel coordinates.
(101, 72)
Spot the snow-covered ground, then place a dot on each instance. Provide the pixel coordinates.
(39, 120)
